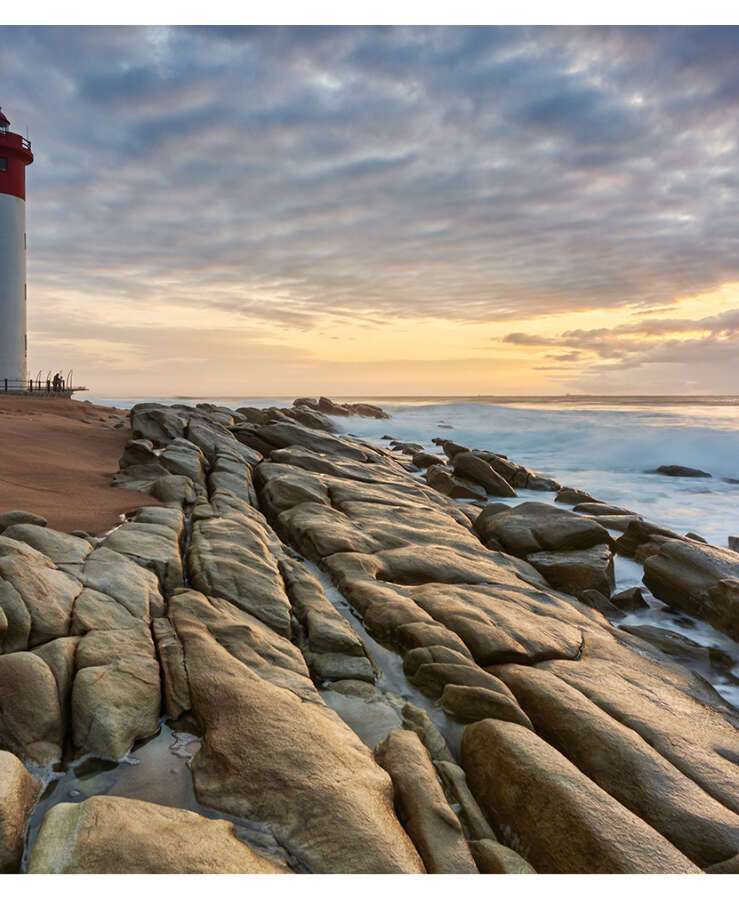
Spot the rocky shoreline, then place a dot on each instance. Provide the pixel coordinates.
(381, 662)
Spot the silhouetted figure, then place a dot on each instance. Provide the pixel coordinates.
(48, 385)
(56, 382)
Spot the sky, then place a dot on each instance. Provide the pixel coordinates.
(381, 211)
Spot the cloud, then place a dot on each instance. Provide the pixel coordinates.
(646, 346)
(283, 175)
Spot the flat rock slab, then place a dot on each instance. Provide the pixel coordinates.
(621, 762)
(118, 836)
(334, 808)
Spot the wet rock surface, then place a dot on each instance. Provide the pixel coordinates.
(118, 836)
(374, 674)
(699, 579)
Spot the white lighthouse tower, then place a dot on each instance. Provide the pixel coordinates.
(15, 155)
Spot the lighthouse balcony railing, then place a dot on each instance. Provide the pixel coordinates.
(34, 386)
(25, 143)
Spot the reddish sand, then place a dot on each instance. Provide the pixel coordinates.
(59, 466)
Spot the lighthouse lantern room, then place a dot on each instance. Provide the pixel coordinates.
(15, 155)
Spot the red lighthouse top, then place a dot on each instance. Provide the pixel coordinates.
(15, 155)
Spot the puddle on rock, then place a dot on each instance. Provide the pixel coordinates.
(157, 771)
(371, 719)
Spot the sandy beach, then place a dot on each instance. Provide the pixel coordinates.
(58, 460)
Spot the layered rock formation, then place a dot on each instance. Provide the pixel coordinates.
(585, 748)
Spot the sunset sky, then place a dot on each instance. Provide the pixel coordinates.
(284, 211)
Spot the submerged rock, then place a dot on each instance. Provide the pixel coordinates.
(680, 472)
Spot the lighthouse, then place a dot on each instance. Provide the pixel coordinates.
(15, 155)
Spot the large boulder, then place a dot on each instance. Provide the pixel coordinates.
(454, 486)
(639, 534)
(424, 810)
(175, 490)
(138, 452)
(60, 656)
(575, 571)
(471, 703)
(36, 599)
(556, 817)
(571, 496)
(467, 465)
(156, 423)
(118, 836)
(699, 579)
(34, 731)
(115, 705)
(116, 695)
(18, 792)
(19, 517)
(531, 527)
(215, 439)
(423, 460)
(182, 457)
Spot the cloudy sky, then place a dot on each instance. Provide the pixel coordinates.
(277, 211)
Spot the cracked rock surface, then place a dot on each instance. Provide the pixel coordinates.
(328, 627)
